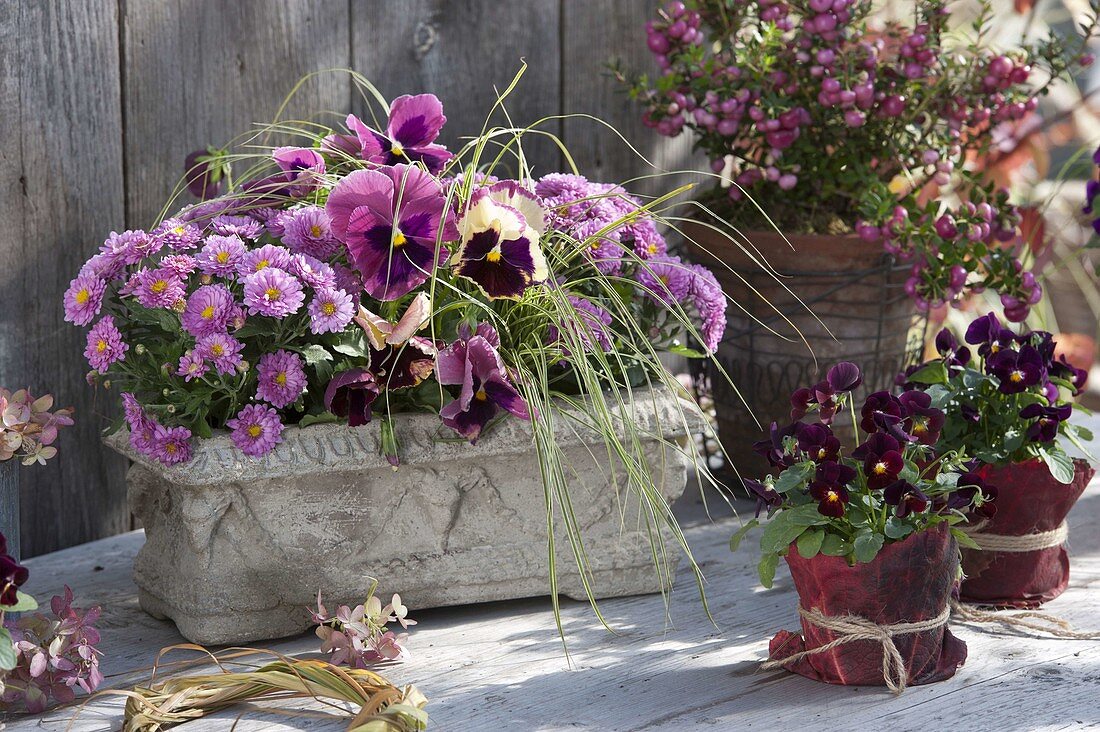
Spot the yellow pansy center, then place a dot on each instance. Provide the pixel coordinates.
(880, 468)
(481, 395)
(821, 453)
(255, 430)
(493, 256)
(328, 308)
(397, 150)
(832, 496)
(399, 239)
(920, 425)
(83, 296)
(1016, 376)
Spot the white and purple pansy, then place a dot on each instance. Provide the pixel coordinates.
(500, 249)
(414, 124)
(474, 364)
(392, 220)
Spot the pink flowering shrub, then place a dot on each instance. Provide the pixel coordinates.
(359, 636)
(28, 428)
(836, 120)
(376, 272)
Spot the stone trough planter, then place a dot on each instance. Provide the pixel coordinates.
(236, 549)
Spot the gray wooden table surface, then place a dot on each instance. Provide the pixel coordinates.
(501, 665)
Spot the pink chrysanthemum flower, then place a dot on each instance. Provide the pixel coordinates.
(260, 259)
(208, 310)
(178, 235)
(171, 445)
(182, 264)
(103, 266)
(191, 366)
(282, 378)
(307, 231)
(666, 279)
(224, 351)
(105, 345)
(221, 255)
(330, 311)
(272, 292)
(132, 409)
(130, 247)
(256, 430)
(312, 271)
(84, 299)
(142, 426)
(274, 220)
(347, 279)
(245, 227)
(157, 288)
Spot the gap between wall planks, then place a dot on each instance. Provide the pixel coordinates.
(100, 100)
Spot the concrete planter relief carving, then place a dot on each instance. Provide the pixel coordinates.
(236, 548)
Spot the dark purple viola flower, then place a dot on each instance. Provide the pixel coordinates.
(766, 498)
(350, 395)
(403, 365)
(989, 335)
(968, 487)
(772, 449)
(414, 124)
(1043, 342)
(302, 166)
(801, 400)
(486, 389)
(879, 443)
(1016, 370)
(880, 401)
(1047, 420)
(953, 353)
(1066, 371)
(922, 420)
(844, 377)
(831, 499)
(500, 250)
(902, 379)
(907, 497)
(818, 442)
(12, 577)
(882, 470)
(204, 171)
(826, 403)
(390, 220)
(893, 426)
(832, 472)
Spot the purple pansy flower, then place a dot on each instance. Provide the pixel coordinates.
(1016, 370)
(84, 299)
(922, 420)
(220, 349)
(266, 256)
(500, 249)
(204, 173)
(282, 378)
(765, 497)
(876, 444)
(831, 499)
(208, 310)
(308, 231)
(486, 389)
(949, 348)
(414, 124)
(818, 442)
(908, 498)
(1047, 420)
(390, 220)
(879, 401)
(844, 376)
(989, 335)
(105, 345)
(171, 445)
(220, 255)
(256, 430)
(330, 311)
(772, 449)
(303, 167)
(178, 235)
(1063, 369)
(273, 292)
(350, 395)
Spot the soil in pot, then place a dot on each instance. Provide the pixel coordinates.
(841, 294)
(1029, 502)
(908, 582)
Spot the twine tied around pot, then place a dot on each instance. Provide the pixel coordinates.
(1024, 543)
(1050, 624)
(852, 628)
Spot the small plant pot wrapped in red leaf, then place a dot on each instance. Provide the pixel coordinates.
(1031, 505)
(907, 582)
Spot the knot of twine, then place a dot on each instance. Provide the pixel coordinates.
(1048, 623)
(1025, 543)
(852, 628)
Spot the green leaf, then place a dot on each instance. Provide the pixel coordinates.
(166, 320)
(1061, 467)
(350, 349)
(896, 529)
(809, 543)
(735, 540)
(322, 418)
(686, 352)
(933, 372)
(834, 545)
(8, 659)
(766, 569)
(779, 533)
(963, 539)
(793, 477)
(806, 515)
(315, 354)
(23, 603)
(866, 546)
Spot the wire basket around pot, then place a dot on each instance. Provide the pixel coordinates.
(830, 298)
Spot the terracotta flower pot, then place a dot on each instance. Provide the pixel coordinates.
(908, 582)
(1029, 501)
(858, 312)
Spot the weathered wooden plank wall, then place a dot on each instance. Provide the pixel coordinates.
(100, 100)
